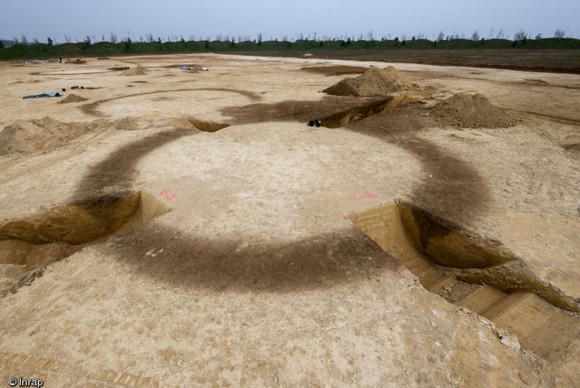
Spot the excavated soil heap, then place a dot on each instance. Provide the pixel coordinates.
(373, 82)
(138, 70)
(72, 98)
(471, 111)
(45, 134)
(124, 124)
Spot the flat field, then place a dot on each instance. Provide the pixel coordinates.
(556, 61)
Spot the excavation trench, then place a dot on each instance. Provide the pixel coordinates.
(477, 274)
(352, 115)
(202, 125)
(30, 244)
(332, 111)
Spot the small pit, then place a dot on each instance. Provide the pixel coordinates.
(352, 115)
(32, 243)
(475, 273)
(373, 82)
(202, 125)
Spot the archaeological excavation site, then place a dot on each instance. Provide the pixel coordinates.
(223, 220)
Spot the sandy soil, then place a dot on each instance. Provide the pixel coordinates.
(257, 276)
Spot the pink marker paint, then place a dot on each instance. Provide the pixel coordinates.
(167, 194)
(367, 196)
(370, 196)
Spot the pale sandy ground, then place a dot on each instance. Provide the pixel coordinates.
(256, 276)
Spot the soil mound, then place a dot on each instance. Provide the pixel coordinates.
(125, 124)
(471, 111)
(45, 134)
(372, 83)
(138, 70)
(72, 98)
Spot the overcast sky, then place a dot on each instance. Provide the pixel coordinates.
(276, 18)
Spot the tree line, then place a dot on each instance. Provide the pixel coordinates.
(150, 38)
(177, 44)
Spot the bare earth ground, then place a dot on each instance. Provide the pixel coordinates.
(554, 61)
(257, 276)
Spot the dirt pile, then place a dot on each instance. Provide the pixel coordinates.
(138, 70)
(46, 134)
(72, 98)
(471, 111)
(373, 82)
(124, 124)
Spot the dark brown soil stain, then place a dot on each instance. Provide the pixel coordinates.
(293, 110)
(559, 119)
(335, 70)
(117, 171)
(404, 120)
(179, 259)
(355, 114)
(93, 108)
(450, 185)
(227, 266)
(552, 61)
(185, 260)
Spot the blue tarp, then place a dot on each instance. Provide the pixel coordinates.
(53, 94)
